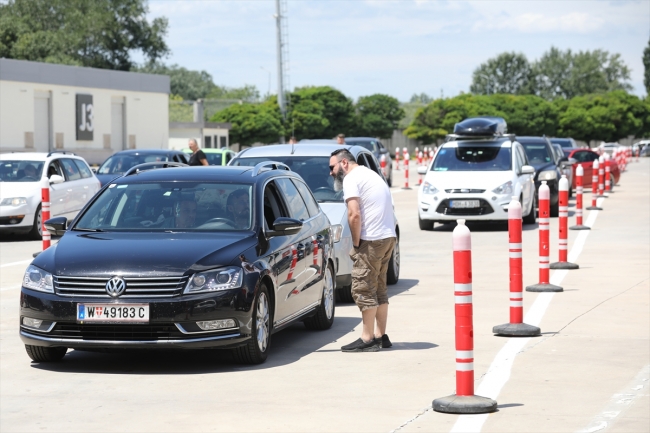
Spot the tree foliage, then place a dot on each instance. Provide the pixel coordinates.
(646, 66)
(506, 73)
(318, 112)
(377, 116)
(252, 123)
(95, 33)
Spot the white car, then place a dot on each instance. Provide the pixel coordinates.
(475, 179)
(71, 181)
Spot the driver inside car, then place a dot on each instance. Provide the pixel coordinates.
(238, 208)
(30, 172)
(184, 214)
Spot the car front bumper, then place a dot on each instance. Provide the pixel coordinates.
(438, 207)
(172, 322)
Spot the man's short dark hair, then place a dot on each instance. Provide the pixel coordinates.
(235, 195)
(341, 136)
(344, 153)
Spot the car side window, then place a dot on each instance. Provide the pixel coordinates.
(54, 168)
(519, 161)
(296, 204)
(305, 193)
(372, 163)
(83, 169)
(273, 208)
(585, 156)
(70, 169)
(229, 156)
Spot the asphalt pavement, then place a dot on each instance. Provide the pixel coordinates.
(588, 371)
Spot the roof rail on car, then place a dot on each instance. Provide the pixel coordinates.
(152, 165)
(65, 152)
(268, 166)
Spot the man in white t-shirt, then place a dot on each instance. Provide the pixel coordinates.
(372, 224)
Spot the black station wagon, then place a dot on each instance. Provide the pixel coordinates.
(183, 257)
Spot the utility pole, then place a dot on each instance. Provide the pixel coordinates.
(283, 56)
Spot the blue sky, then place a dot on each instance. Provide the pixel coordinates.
(399, 48)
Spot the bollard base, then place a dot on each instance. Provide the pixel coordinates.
(594, 208)
(564, 265)
(516, 330)
(579, 227)
(544, 288)
(464, 404)
(602, 196)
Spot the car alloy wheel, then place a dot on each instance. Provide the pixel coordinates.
(262, 322)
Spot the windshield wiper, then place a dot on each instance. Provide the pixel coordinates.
(87, 230)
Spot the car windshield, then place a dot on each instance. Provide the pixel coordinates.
(21, 171)
(170, 206)
(118, 164)
(313, 169)
(473, 158)
(370, 145)
(538, 153)
(564, 142)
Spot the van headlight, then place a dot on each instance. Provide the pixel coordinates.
(37, 279)
(547, 175)
(336, 232)
(427, 188)
(506, 188)
(215, 280)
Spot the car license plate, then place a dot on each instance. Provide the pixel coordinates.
(464, 204)
(113, 313)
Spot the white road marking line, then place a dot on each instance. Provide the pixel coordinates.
(499, 372)
(23, 262)
(621, 402)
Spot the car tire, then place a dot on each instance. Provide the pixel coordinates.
(257, 348)
(324, 317)
(530, 218)
(392, 276)
(345, 294)
(45, 354)
(36, 232)
(425, 224)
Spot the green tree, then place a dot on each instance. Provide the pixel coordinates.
(319, 112)
(377, 116)
(422, 98)
(95, 33)
(566, 74)
(526, 114)
(608, 117)
(190, 85)
(506, 73)
(252, 123)
(247, 93)
(646, 65)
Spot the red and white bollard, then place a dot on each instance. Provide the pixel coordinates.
(516, 327)
(432, 152)
(601, 176)
(406, 169)
(382, 163)
(405, 155)
(608, 174)
(294, 261)
(397, 158)
(563, 244)
(420, 162)
(594, 186)
(544, 220)
(315, 252)
(417, 152)
(45, 212)
(579, 226)
(464, 401)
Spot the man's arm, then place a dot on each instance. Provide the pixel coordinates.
(354, 220)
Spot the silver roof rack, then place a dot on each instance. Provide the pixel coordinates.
(268, 166)
(151, 165)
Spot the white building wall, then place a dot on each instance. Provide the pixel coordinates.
(146, 125)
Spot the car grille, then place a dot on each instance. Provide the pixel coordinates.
(484, 209)
(464, 191)
(91, 287)
(117, 332)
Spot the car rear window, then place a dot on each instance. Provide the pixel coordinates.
(538, 153)
(473, 158)
(118, 164)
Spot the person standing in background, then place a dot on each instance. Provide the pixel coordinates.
(197, 157)
(340, 139)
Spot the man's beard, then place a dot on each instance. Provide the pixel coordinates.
(338, 180)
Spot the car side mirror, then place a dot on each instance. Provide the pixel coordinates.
(285, 226)
(422, 169)
(57, 226)
(55, 178)
(527, 169)
(383, 150)
(93, 169)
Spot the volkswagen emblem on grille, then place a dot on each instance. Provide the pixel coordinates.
(115, 286)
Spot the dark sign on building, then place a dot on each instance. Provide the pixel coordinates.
(85, 117)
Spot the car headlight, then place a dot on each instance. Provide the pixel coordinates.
(427, 188)
(215, 280)
(337, 232)
(13, 201)
(37, 279)
(547, 175)
(506, 188)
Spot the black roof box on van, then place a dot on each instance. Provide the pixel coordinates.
(481, 126)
